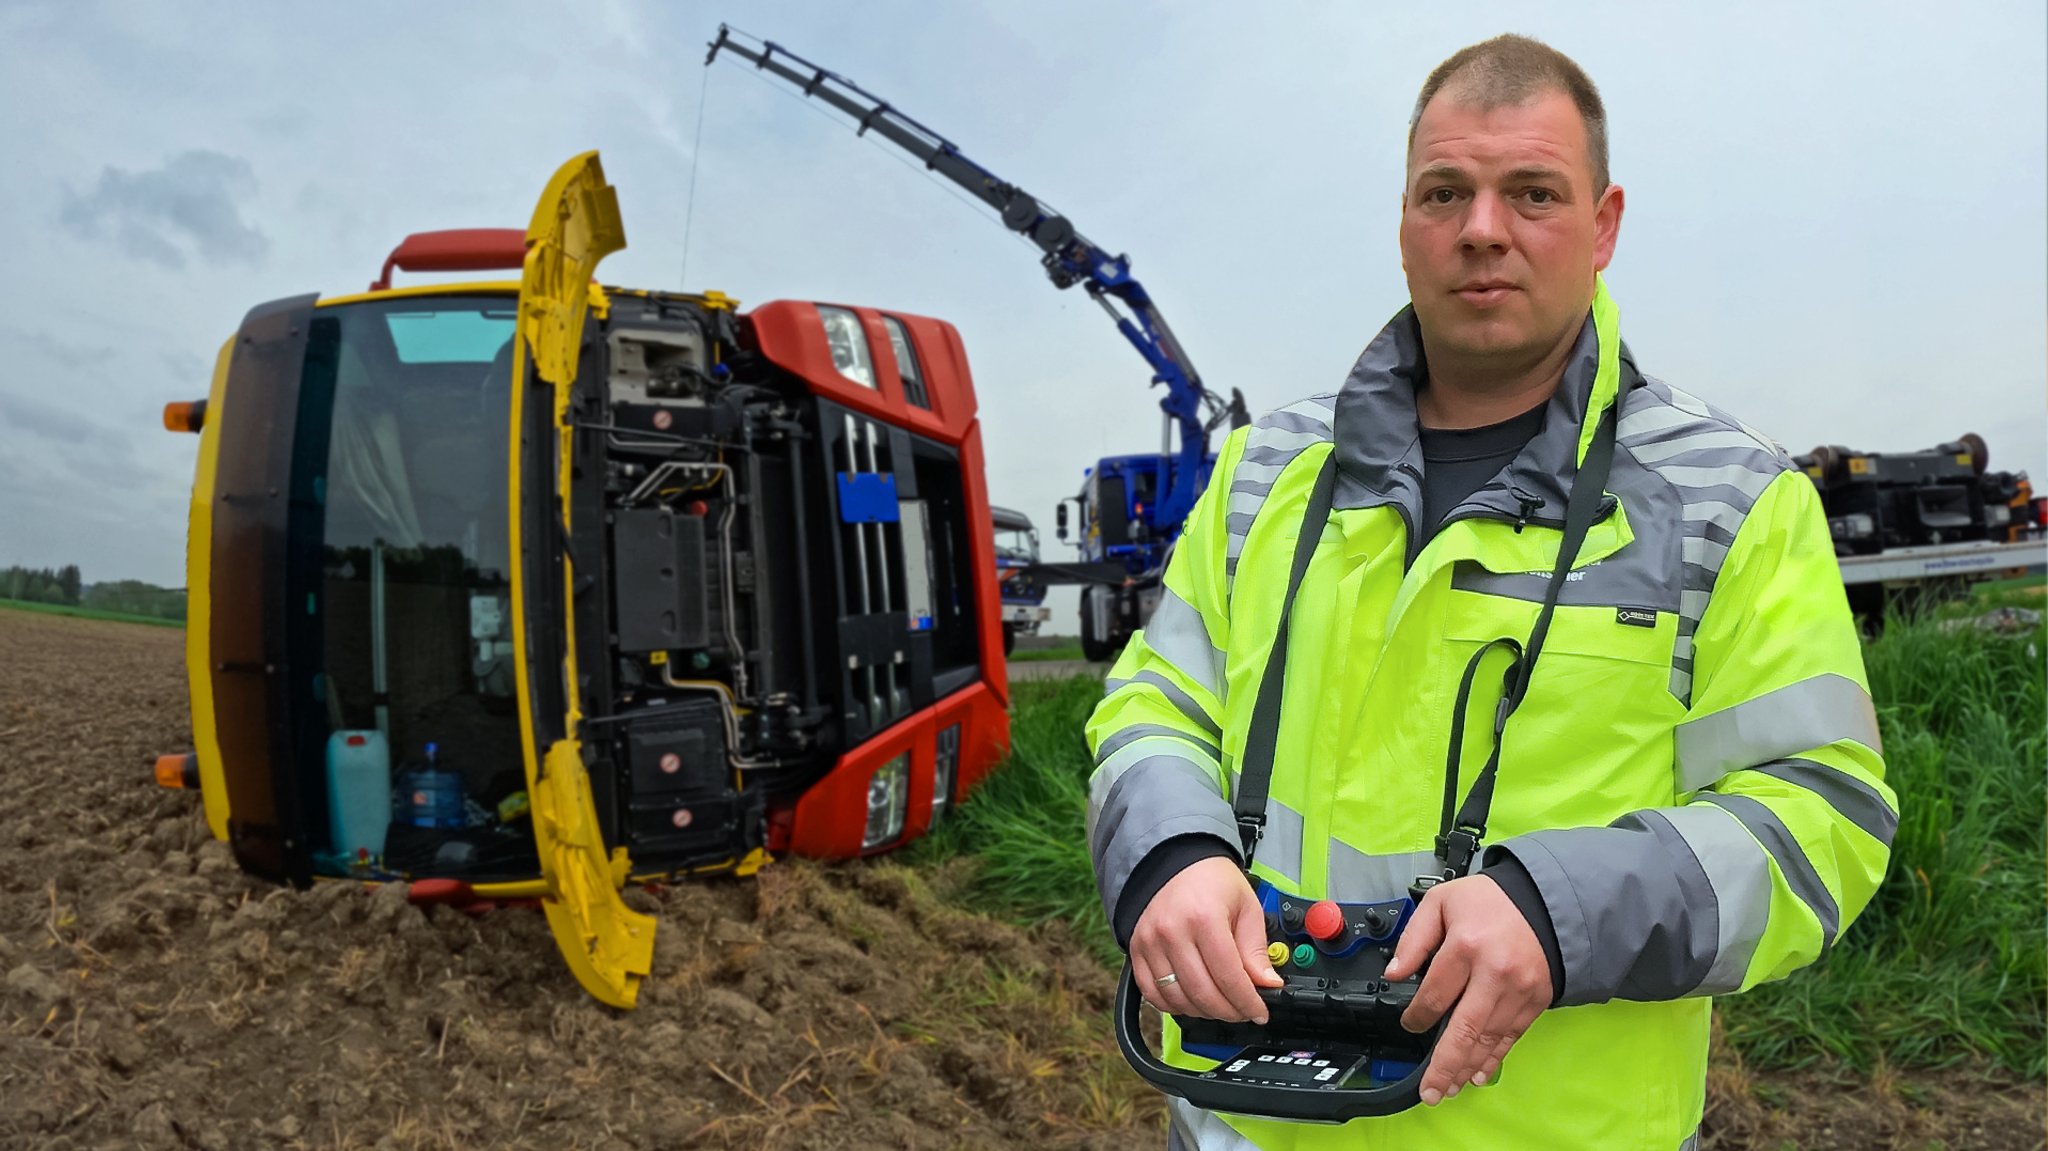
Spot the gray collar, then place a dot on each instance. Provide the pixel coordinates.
(1379, 443)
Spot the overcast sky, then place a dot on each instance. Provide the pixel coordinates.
(1835, 223)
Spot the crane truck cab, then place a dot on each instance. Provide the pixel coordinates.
(1023, 593)
(1125, 538)
(530, 588)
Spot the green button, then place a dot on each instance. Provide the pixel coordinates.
(1304, 956)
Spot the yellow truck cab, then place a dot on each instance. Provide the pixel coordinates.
(529, 588)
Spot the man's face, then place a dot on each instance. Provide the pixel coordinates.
(1501, 229)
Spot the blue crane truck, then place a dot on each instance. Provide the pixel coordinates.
(1131, 507)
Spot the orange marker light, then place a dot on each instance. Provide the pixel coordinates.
(177, 771)
(189, 416)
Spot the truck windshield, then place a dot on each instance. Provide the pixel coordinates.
(1017, 544)
(417, 626)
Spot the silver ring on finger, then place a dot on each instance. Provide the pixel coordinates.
(1167, 980)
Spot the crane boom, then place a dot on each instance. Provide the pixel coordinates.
(1069, 258)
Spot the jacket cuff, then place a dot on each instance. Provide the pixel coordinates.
(1501, 866)
(1164, 862)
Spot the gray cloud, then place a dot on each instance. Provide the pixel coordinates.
(63, 353)
(191, 203)
(29, 416)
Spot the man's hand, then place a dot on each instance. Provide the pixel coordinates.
(1205, 927)
(1489, 964)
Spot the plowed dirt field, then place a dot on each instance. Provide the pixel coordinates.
(155, 997)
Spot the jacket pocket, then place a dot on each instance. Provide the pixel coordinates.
(1592, 739)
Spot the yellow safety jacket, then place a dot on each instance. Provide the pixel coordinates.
(1693, 779)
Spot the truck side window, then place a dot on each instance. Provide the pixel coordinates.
(906, 363)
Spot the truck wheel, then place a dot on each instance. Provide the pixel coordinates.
(1009, 638)
(1094, 648)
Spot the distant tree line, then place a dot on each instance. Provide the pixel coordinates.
(63, 586)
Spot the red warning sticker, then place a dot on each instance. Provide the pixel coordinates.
(662, 419)
(671, 763)
(681, 818)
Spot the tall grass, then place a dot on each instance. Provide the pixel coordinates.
(1026, 824)
(1945, 967)
(1949, 962)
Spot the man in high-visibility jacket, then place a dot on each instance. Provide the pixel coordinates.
(1690, 797)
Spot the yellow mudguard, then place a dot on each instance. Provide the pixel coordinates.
(608, 945)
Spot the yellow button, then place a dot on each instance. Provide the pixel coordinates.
(1276, 954)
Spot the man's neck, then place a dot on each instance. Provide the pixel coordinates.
(1476, 394)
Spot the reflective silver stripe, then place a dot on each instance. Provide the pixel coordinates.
(1748, 481)
(1177, 632)
(1690, 1142)
(1193, 1129)
(1650, 419)
(1123, 737)
(1657, 450)
(1269, 443)
(1853, 799)
(1740, 876)
(1280, 844)
(1687, 403)
(1309, 417)
(1722, 515)
(1272, 444)
(1798, 870)
(1174, 695)
(1356, 876)
(1154, 799)
(1693, 604)
(1124, 759)
(1718, 467)
(1796, 718)
(1702, 551)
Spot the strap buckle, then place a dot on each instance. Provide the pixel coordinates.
(1456, 849)
(1251, 827)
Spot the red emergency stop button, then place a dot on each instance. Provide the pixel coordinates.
(1324, 922)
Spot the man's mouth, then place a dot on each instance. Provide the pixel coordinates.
(1484, 293)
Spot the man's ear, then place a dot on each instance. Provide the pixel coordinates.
(1401, 218)
(1607, 226)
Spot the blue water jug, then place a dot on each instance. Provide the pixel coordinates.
(432, 796)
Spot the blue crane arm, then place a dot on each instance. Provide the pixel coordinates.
(1069, 258)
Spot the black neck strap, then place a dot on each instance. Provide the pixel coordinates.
(1264, 733)
(1458, 841)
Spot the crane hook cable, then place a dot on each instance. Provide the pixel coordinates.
(696, 162)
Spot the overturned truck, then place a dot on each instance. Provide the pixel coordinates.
(528, 589)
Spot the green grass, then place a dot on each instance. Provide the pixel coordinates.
(1067, 651)
(1947, 964)
(1025, 823)
(1945, 968)
(2030, 582)
(88, 613)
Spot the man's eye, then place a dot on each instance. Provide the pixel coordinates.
(1440, 196)
(1541, 196)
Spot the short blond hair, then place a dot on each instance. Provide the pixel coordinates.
(1509, 70)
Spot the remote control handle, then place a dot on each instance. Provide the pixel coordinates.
(1312, 1104)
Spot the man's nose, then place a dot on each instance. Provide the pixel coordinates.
(1486, 224)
